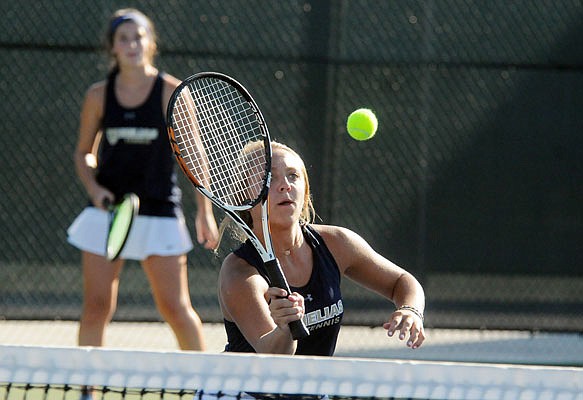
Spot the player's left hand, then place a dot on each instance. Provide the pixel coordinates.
(406, 323)
(207, 233)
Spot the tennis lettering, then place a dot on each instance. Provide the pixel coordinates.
(131, 135)
(327, 313)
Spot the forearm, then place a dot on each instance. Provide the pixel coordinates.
(409, 298)
(203, 204)
(85, 165)
(278, 341)
(409, 292)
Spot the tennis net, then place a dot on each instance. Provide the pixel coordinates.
(31, 373)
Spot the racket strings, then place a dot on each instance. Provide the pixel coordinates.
(213, 123)
(220, 112)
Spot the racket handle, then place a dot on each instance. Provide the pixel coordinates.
(298, 328)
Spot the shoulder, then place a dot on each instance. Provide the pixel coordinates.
(236, 268)
(237, 275)
(96, 92)
(94, 100)
(333, 234)
(169, 81)
(169, 84)
(345, 245)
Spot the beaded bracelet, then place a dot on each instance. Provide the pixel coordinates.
(413, 310)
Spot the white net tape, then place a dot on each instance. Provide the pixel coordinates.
(236, 373)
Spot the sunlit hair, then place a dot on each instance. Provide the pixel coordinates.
(308, 213)
(139, 18)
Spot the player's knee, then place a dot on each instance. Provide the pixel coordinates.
(172, 310)
(178, 314)
(98, 308)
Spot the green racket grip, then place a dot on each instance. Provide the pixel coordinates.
(274, 272)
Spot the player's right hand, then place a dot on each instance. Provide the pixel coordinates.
(285, 309)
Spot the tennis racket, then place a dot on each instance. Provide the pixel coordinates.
(121, 217)
(222, 144)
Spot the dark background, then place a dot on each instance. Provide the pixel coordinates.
(474, 181)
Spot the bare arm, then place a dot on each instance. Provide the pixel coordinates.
(244, 296)
(207, 233)
(358, 261)
(85, 153)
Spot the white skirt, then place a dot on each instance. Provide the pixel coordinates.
(161, 236)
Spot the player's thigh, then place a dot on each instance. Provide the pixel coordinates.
(100, 283)
(167, 276)
(98, 272)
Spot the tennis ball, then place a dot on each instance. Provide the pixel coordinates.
(362, 124)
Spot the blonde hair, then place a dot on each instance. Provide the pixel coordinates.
(307, 215)
(139, 18)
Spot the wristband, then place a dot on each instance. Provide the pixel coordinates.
(413, 310)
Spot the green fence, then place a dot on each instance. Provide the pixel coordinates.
(474, 181)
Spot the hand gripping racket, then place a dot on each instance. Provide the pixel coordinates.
(121, 217)
(222, 144)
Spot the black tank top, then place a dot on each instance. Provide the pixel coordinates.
(135, 154)
(323, 300)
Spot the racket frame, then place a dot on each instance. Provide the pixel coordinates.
(266, 252)
(134, 202)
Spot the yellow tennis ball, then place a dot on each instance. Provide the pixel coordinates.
(362, 124)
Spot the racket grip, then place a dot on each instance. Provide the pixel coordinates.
(298, 328)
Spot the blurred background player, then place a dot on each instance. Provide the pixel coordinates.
(124, 116)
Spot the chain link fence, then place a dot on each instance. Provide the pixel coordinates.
(473, 182)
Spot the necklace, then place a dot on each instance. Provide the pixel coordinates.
(295, 244)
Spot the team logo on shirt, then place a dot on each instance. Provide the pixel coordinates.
(131, 135)
(325, 316)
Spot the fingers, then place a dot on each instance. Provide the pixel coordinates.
(208, 244)
(416, 338)
(285, 309)
(206, 232)
(103, 199)
(406, 324)
(206, 237)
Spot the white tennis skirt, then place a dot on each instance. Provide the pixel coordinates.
(161, 236)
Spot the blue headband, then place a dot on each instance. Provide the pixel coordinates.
(134, 17)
